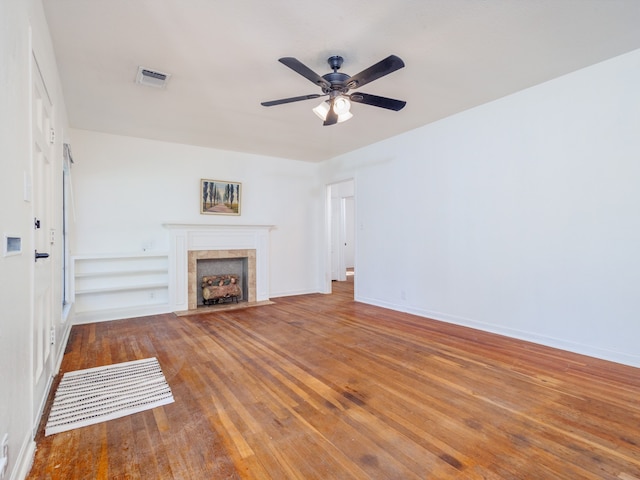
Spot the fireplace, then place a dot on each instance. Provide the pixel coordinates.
(193, 242)
(196, 270)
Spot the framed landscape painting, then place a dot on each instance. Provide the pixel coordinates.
(220, 197)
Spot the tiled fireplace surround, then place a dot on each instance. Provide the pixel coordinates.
(191, 242)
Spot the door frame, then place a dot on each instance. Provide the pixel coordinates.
(336, 192)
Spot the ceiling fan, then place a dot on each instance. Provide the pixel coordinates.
(336, 86)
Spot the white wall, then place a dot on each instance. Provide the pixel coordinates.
(126, 188)
(17, 17)
(15, 340)
(520, 217)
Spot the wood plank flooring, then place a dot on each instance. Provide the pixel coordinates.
(322, 387)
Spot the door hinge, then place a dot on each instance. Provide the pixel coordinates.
(52, 136)
(52, 336)
(36, 223)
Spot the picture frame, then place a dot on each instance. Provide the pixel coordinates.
(220, 197)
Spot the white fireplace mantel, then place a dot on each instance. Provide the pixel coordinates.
(187, 237)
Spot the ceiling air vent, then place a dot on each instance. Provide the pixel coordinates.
(152, 78)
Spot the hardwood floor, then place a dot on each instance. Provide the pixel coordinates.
(322, 387)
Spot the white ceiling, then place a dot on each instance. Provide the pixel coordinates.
(223, 54)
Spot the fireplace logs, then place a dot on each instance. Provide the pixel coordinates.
(220, 288)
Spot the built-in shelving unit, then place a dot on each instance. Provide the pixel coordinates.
(108, 287)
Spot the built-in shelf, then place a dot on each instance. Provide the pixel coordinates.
(122, 288)
(108, 286)
(116, 273)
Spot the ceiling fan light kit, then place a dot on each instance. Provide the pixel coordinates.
(341, 107)
(336, 86)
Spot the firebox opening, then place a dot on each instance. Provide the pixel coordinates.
(224, 266)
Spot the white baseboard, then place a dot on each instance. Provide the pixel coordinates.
(119, 313)
(63, 346)
(291, 293)
(24, 460)
(588, 350)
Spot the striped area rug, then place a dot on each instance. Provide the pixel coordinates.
(95, 395)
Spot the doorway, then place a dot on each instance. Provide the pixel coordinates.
(341, 232)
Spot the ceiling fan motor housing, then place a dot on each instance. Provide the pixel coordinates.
(338, 81)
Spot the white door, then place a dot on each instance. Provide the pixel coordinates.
(41, 198)
(337, 257)
(349, 232)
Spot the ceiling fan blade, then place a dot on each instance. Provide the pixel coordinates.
(299, 67)
(291, 99)
(374, 72)
(376, 101)
(332, 116)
